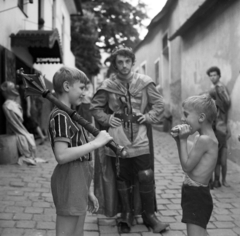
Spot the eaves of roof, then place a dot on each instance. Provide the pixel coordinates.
(156, 20)
(43, 45)
(161, 14)
(204, 11)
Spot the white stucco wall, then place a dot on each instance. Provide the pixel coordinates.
(65, 36)
(12, 20)
(146, 54)
(215, 42)
(151, 50)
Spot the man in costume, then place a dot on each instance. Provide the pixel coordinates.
(127, 104)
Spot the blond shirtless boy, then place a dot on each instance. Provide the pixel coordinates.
(198, 164)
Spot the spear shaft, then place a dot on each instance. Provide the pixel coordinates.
(86, 124)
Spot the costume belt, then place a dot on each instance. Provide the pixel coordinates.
(128, 118)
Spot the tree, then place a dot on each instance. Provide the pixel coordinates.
(104, 25)
(84, 36)
(117, 21)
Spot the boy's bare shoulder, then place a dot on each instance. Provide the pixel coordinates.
(201, 140)
(207, 141)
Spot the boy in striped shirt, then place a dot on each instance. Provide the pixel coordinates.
(70, 182)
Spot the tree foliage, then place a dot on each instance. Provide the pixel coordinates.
(117, 21)
(84, 36)
(105, 24)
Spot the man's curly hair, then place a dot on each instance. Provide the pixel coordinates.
(213, 69)
(123, 51)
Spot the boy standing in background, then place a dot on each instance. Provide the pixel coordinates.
(71, 179)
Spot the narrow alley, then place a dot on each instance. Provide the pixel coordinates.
(26, 207)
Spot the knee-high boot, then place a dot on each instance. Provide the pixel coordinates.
(147, 197)
(126, 214)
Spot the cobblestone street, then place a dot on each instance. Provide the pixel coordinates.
(26, 207)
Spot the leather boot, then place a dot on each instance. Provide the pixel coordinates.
(126, 219)
(147, 197)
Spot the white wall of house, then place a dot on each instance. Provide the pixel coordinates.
(156, 48)
(13, 19)
(149, 54)
(187, 8)
(152, 49)
(62, 22)
(215, 42)
(56, 14)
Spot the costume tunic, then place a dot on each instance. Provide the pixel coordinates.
(70, 182)
(138, 96)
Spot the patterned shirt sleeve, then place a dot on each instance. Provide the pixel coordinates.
(223, 94)
(223, 99)
(60, 128)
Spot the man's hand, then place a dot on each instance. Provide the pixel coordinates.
(142, 118)
(114, 121)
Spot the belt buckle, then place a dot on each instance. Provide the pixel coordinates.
(129, 118)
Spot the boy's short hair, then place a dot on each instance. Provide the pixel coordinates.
(202, 104)
(67, 74)
(213, 69)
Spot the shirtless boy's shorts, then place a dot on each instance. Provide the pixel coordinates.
(197, 205)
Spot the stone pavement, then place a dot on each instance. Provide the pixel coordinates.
(26, 207)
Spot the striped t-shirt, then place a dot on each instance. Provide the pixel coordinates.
(63, 129)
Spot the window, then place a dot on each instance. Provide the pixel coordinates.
(144, 68)
(165, 41)
(40, 19)
(136, 70)
(165, 44)
(53, 14)
(63, 32)
(156, 65)
(22, 6)
(165, 66)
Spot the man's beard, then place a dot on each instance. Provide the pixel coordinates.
(126, 73)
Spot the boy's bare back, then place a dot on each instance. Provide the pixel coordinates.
(208, 145)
